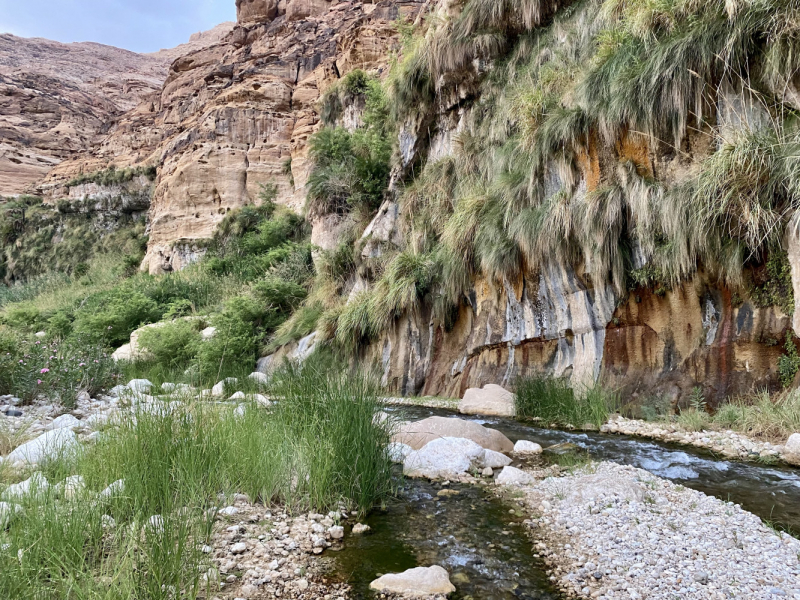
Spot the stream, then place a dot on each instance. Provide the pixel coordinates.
(482, 543)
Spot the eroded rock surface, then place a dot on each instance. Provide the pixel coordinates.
(58, 100)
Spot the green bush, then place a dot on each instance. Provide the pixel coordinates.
(56, 370)
(233, 347)
(112, 316)
(789, 363)
(172, 344)
(351, 169)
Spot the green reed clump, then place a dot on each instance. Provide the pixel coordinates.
(553, 401)
(318, 448)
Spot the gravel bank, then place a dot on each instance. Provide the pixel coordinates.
(727, 443)
(615, 532)
(262, 553)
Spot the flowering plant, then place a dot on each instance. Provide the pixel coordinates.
(56, 370)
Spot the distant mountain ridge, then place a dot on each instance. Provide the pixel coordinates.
(56, 99)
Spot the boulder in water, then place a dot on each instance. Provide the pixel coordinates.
(526, 447)
(491, 400)
(514, 476)
(495, 460)
(420, 581)
(444, 458)
(420, 433)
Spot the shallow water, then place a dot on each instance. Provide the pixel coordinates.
(472, 535)
(771, 492)
(485, 548)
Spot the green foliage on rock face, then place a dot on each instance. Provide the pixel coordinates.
(772, 284)
(561, 110)
(351, 168)
(789, 363)
(114, 176)
(38, 239)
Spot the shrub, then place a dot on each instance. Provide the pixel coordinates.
(56, 370)
(234, 346)
(789, 363)
(173, 344)
(693, 419)
(112, 316)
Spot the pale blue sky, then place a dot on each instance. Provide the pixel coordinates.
(139, 25)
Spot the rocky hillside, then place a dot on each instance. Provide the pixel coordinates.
(498, 189)
(58, 100)
(237, 115)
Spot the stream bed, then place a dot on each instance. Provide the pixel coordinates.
(469, 532)
(483, 545)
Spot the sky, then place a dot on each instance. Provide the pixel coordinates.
(138, 25)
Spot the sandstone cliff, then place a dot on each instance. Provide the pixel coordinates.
(611, 288)
(58, 100)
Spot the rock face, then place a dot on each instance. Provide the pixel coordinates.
(422, 432)
(58, 100)
(491, 400)
(236, 115)
(421, 581)
(557, 325)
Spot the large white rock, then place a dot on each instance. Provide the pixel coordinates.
(491, 400)
(420, 433)
(141, 386)
(34, 486)
(64, 422)
(260, 378)
(117, 391)
(74, 486)
(526, 447)
(420, 581)
(124, 352)
(219, 389)
(398, 452)
(793, 444)
(50, 444)
(495, 460)
(115, 489)
(7, 513)
(444, 458)
(514, 476)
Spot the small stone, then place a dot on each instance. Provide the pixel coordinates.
(359, 528)
(526, 447)
(239, 548)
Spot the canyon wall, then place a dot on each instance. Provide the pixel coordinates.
(58, 101)
(236, 113)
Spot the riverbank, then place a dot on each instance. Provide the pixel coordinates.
(724, 442)
(615, 532)
(727, 443)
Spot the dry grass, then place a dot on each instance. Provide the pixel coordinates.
(11, 438)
